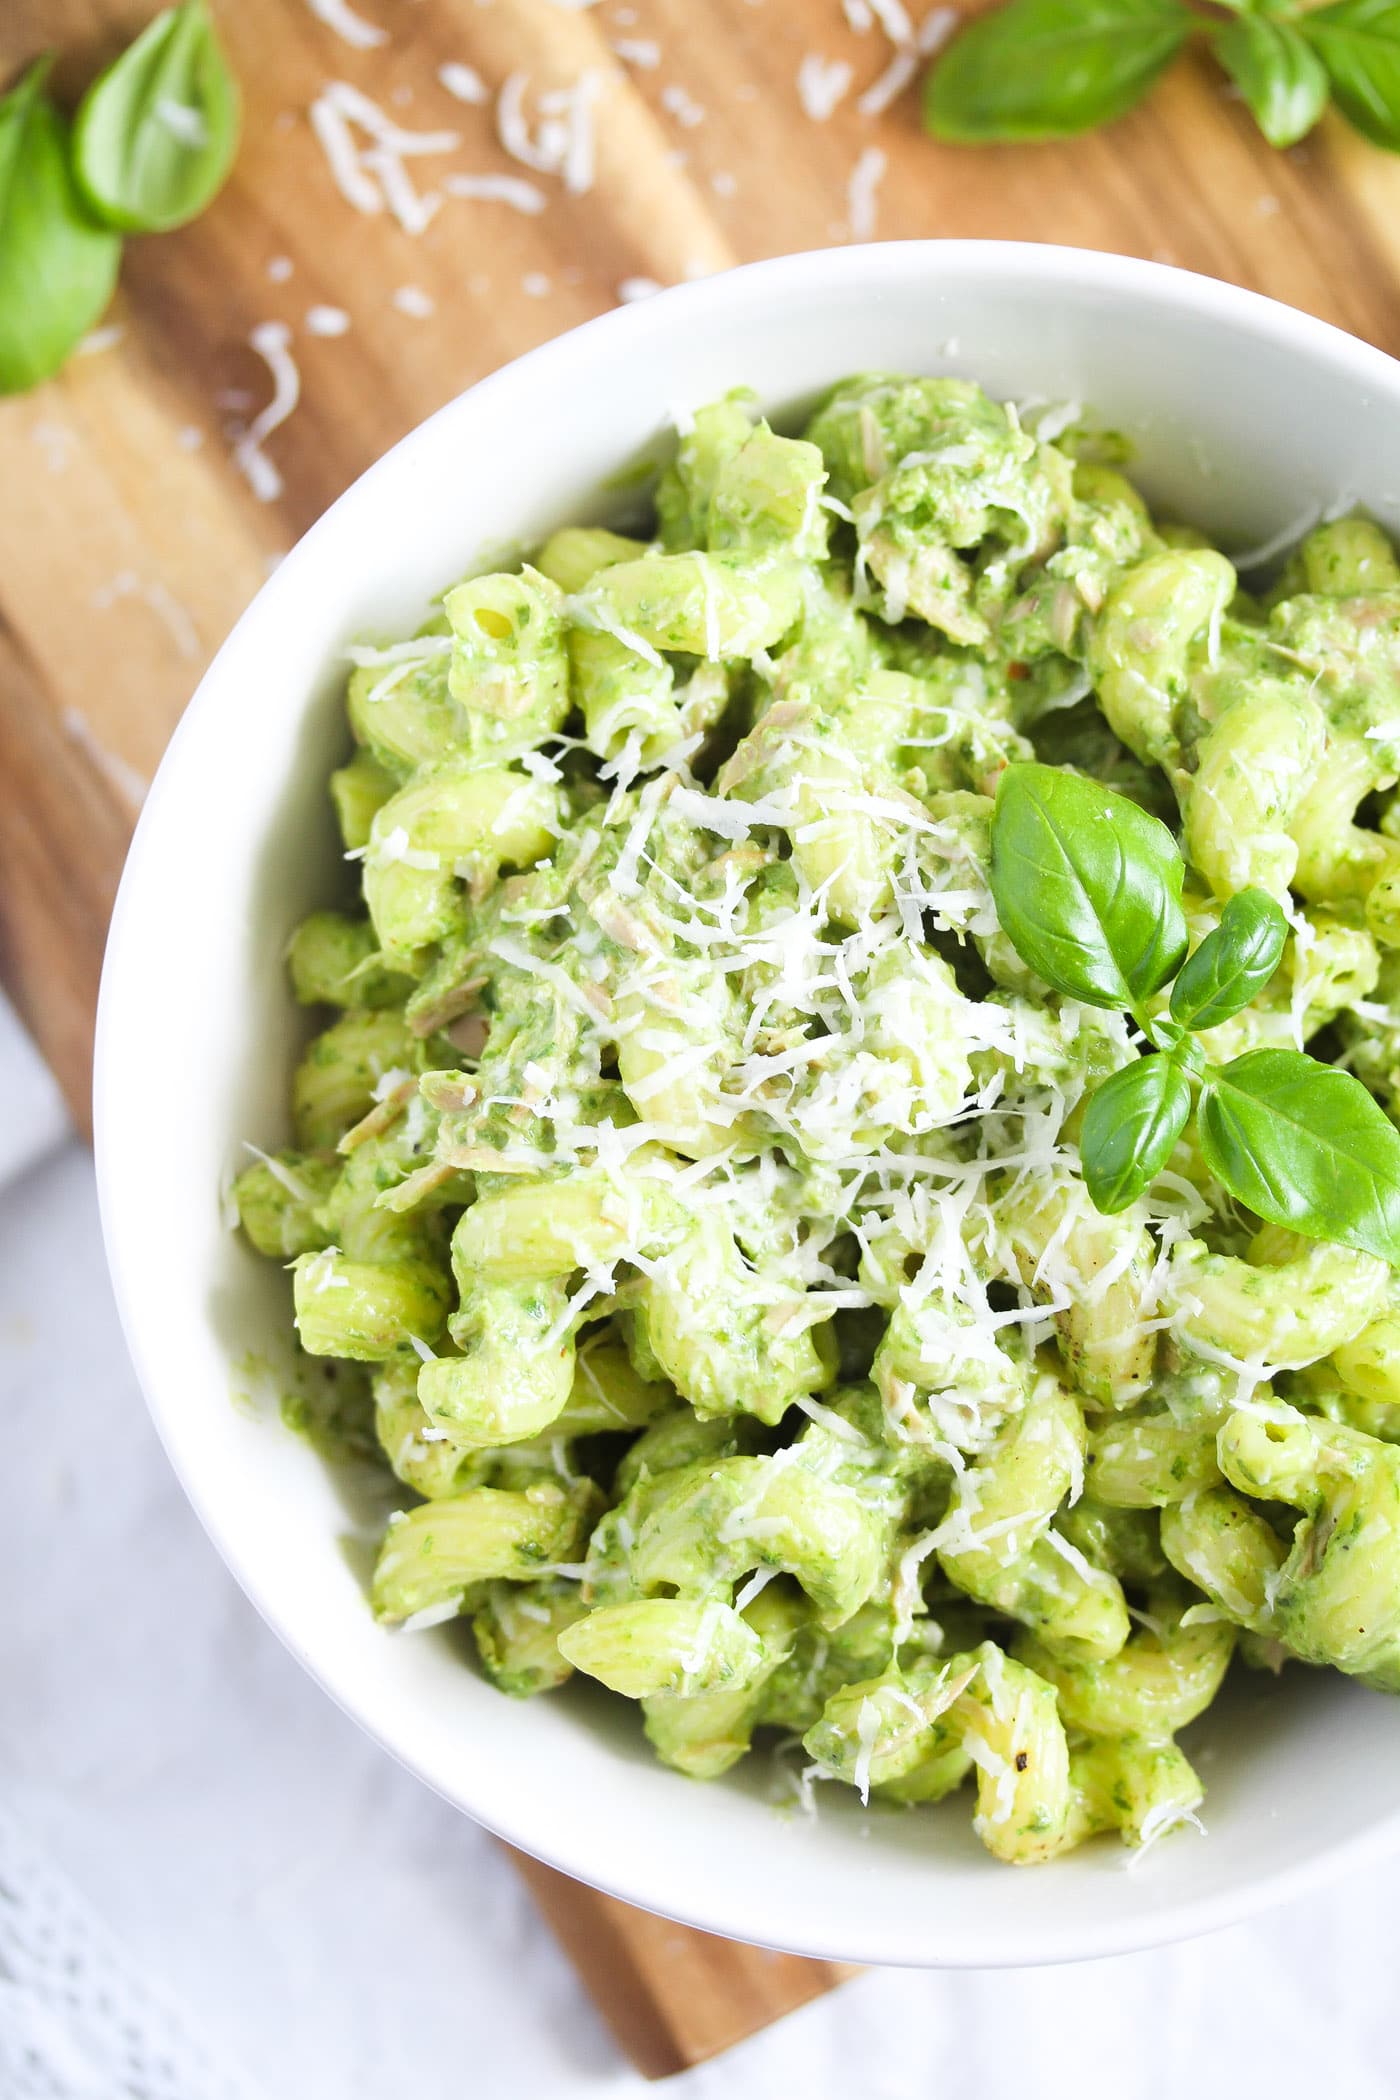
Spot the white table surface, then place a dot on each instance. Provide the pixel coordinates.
(335, 1932)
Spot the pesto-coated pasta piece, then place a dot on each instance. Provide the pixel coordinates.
(730, 1336)
(1339, 862)
(1229, 1551)
(685, 492)
(420, 1454)
(718, 1520)
(1319, 1394)
(998, 1539)
(437, 1555)
(1253, 768)
(358, 791)
(1140, 1787)
(766, 499)
(655, 1646)
(608, 1394)
(517, 1627)
(1345, 556)
(1140, 655)
(340, 1076)
(509, 668)
(1336, 1598)
(942, 1377)
(1017, 1742)
(875, 1732)
(515, 1370)
(573, 556)
(367, 1310)
(1104, 1267)
(403, 713)
(704, 1733)
(278, 1199)
(1159, 1681)
(1125, 1542)
(335, 961)
(462, 823)
(710, 605)
(381, 1283)
(536, 1228)
(1368, 1364)
(1291, 1302)
(1163, 1450)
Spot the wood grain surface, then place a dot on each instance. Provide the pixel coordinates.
(672, 1997)
(130, 539)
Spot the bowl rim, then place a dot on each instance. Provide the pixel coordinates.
(862, 268)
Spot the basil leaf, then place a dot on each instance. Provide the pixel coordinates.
(1359, 43)
(1045, 69)
(1129, 1129)
(1233, 964)
(1303, 1144)
(156, 134)
(57, 265)
(1087, 886)
(1279, 74)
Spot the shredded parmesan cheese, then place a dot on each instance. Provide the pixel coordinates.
(463, 82)
(355, 31)
(513, 190)
(821, 85)
(865, 181)
(272, 341)
(563, 141)
(373, 178)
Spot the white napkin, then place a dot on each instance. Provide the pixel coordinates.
(32, 1117)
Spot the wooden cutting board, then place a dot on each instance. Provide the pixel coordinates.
(130, 539)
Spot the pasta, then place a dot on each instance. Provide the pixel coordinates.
(691, 1158)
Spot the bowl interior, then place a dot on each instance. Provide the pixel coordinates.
(1244, 418)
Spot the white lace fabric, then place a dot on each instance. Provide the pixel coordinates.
(78, 2021)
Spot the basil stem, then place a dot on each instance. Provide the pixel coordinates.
(156, 134)
(57, 265)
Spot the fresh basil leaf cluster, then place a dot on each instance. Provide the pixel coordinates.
(1088, 889)
(153, 141)
(1048, 69)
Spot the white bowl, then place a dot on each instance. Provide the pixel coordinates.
(1245, 417)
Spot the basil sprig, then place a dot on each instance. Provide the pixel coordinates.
(57, 264)
(1048, 69)
(1045, 69)
(156, 134)
(1088, 889)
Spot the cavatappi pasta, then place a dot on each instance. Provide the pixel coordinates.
(690, 1160)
